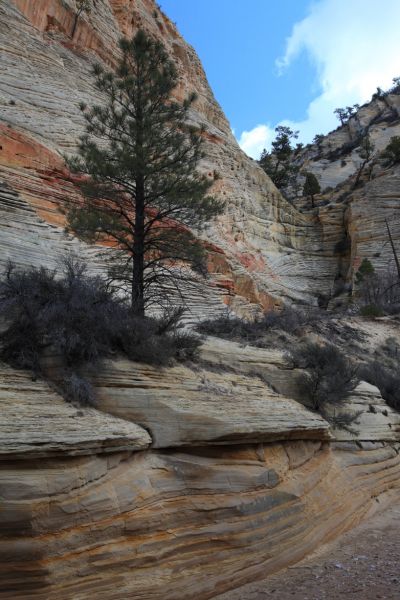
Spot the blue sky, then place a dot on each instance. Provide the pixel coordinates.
(293, 62)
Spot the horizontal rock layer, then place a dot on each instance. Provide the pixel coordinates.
(373, 418)
(182, 406)
(36, 421)
(172, 525)
(238, 481)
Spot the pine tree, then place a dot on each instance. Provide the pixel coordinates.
(81, 6)
(311, 187)
(142, 190)
(341, 114)
(278, 163)
(365, 152)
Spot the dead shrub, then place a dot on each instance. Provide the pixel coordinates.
(84, 321)
(329, 376)
(288, 320)
(386, 379)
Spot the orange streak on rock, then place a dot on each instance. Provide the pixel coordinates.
(53, 15)
(251, 262)
(20, 150)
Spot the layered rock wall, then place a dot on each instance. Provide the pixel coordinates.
(355, 214)
(203, 479)
(261, 250)
(172, 524)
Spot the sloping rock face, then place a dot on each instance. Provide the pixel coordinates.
(261, 250)
(37, 422)
(168, 525)
(203, 479)
(335, 158)
(183, 407)
(374, 420)
(355, 215)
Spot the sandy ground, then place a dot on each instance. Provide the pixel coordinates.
(364, 564)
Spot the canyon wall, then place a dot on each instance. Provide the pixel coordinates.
(208, 480)
(263, 249)
(173, 525)
(352, 213)
(260, 251)
(194, 479)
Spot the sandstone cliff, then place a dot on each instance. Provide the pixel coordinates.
(194, 480)
(350, 212)
(205, 479)
(261, 250)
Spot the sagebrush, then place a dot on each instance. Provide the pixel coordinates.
(288, 320)
(329, 376)
(82, 320)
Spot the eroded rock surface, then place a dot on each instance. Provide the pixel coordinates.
(261, 250)
(168, 524)
(373, 418)
(182, 406)
(36, 421)
(238, 481)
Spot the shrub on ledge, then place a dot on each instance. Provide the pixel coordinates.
(386, 379)
(329, 376)
(289, 320)
(82, 319)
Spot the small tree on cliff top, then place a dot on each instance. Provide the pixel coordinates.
(81, 6)
(311, 187)
(142, 190)
(278, 163)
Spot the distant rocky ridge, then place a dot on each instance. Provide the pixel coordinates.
(356, 215)
(335, 158)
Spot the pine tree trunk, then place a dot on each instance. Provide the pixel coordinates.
(139, 231)
(138, 252)
(359, 173)
(78, 14)
(396, 258)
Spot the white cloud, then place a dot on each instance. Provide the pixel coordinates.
(355, 47)
(253, 142)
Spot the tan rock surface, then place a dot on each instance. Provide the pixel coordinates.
(182, 406)
(171, 525)
(261, 249)
(35, 421)
(371, 206)
(361, 565)
(380, 118)
(269, 364)
(102, 515)
(374, 419)
(358, 214)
